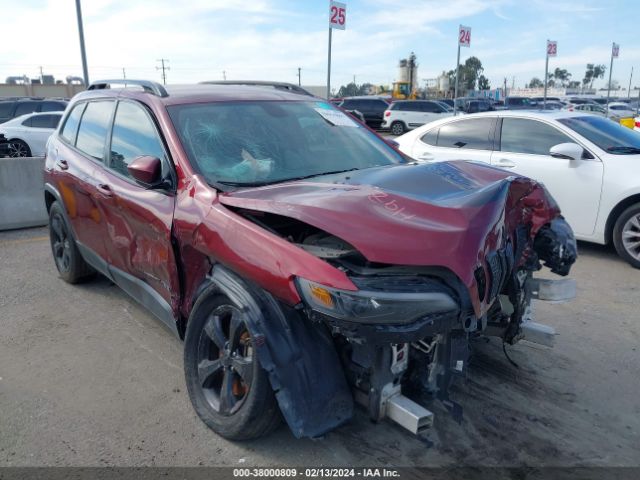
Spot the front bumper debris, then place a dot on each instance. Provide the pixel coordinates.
(556, 291)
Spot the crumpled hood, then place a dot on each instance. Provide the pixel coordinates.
(448, 214)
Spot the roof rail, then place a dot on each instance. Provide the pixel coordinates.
(289, 87)
(147, 85)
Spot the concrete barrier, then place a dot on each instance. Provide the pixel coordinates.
(22, 193)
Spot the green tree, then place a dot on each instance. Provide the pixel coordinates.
(535, 83)
(562, 76)
(592, 73)
(348, 90)
(470, 73)
(483, 83)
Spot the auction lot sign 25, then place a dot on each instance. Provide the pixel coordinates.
(337, 15)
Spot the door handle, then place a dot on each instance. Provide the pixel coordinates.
(505, 163)
(105, 190)
(62, 164)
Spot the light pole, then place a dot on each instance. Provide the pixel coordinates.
(615, 49)
(83, 53)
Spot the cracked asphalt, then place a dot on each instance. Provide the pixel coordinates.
(89, 378)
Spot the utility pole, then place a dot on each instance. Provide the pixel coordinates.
(614, 54)
(83, 53)
(299, 78)
(629, 90)
(163, 68)
(505, 90)
(41, 76)
(224, 75)
(124, 74)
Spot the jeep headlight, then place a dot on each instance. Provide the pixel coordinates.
(373, 306)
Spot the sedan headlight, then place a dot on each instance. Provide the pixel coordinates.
(373, 307)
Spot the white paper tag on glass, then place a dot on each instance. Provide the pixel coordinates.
(336, 117)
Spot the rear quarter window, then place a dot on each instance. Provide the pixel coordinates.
(70, 129)
(431, 137)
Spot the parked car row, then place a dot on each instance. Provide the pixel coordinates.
(27, 123)
(27, 135)
(15, 108)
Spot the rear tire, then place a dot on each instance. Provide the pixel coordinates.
(398, 128)
(69, 262)
(228, 388)
(626, 235)
(18, 148)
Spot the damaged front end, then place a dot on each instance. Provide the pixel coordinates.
(454, 264)
(406, 332)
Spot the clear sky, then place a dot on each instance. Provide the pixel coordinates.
(270, 39)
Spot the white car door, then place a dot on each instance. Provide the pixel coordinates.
(459, 139)
(576, 185)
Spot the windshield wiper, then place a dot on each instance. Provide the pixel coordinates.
(323, 173)
(245, 184)
(282, 180)
(620, 149)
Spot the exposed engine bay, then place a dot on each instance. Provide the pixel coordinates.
(389, 365)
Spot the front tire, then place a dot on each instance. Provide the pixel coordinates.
(398, 128)
(228, 388)
(626, 235)
(69, 262)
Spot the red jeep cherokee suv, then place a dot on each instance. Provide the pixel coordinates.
(306, 263)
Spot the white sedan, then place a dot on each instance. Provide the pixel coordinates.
(620, 110)
(591, 165)
(28, 134)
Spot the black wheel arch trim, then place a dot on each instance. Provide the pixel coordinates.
(298, 355)
(50, 189)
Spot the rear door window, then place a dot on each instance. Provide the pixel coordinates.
(92, 134)
(430, 107)
(521, 135)
(52, 107)
(134, 135)
(5, 109)
(474, 134)
(25, 107)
